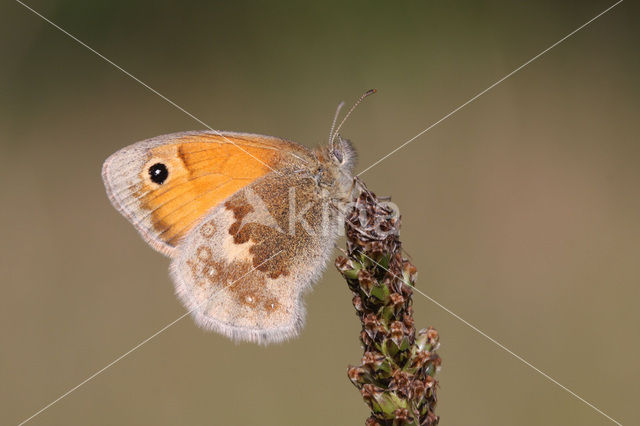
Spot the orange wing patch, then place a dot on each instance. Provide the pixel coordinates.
(202, 172)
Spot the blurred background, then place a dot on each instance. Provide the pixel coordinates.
(521, 211)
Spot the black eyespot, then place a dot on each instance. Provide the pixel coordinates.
(158, 173)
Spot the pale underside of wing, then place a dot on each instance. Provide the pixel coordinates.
(242, 273)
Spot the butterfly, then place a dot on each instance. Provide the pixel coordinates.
(249, 221)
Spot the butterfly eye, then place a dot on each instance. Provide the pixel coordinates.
(337, 155)
(158, 173)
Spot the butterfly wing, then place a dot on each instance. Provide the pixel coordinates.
(242, 271)
(167, 184)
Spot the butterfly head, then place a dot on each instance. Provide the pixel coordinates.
(343, 154)
(333, 170)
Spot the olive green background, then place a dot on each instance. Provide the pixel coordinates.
(521, 211)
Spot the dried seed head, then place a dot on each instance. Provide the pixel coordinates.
(401, 415)
(396, 300)
(356, 374)
(400, 381)
(372, 360)
(420, 359)
(418, 389)
(357, 303)
(343, 264)
(429, 382)
(432, 335)
(372, 421)
(410, 270)
(372, 325)
(397, 332)
(408, 320)
(395, 377)
(370, 392)
(366, 339)
(366, 280)
(432, 419)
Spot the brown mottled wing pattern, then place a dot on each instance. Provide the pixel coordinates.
(242, 272)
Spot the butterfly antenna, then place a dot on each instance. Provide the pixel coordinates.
(335, 118)
(362, 98)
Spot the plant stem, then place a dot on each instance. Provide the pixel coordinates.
(396, 374)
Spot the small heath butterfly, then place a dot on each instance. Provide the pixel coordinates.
(249, 221)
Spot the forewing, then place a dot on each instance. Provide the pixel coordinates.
(203, 169)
